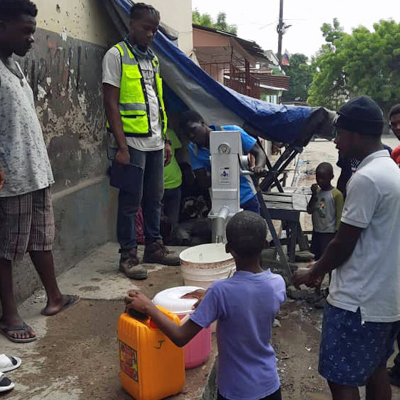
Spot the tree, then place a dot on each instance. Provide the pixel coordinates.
(363, 62)
(202, 19)
(206, 20)
(223, 25)
(301, 76)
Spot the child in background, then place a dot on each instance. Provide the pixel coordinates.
(326, 207)
(244, 307)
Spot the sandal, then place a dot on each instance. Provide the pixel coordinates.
(9, 363)
(71, 301)
(5, 383)
(5, 330)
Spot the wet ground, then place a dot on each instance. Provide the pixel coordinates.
(77, 358)
(296, 344)
(76, 355)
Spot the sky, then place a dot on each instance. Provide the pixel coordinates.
(257, 19)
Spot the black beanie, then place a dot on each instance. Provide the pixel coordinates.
(361, 115)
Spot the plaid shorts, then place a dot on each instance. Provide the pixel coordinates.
(350, 350)
(27, 224)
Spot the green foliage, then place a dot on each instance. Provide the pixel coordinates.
(206, 20)
(202, 19)
(365, 62)
(300, 78)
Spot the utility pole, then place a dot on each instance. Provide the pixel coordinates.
(280, 29)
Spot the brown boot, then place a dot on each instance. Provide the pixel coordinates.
(157, 253)
(129, 265)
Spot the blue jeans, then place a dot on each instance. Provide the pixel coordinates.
(150, 190)
(397, 359)
(172, 204)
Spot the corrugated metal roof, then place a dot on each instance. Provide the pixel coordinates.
(276, 81)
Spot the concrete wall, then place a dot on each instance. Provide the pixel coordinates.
(64, 70)
(177, 14)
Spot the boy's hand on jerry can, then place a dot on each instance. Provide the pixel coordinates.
(138, 301)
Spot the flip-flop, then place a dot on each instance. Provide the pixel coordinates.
(4, 330)
(9, 363)
(5, 383)
(72, 301)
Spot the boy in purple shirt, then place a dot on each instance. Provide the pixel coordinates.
(245, 306)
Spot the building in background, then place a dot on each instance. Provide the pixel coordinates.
(177, 15)
(228, 59)
(239, 64)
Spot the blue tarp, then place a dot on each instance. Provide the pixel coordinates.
(217, 103)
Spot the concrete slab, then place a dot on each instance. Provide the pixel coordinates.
(97, 276)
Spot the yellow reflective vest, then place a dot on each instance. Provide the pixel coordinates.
(133, 100)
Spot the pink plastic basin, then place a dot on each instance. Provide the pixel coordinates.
(198, 349)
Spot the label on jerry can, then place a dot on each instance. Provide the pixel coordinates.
(129, 361)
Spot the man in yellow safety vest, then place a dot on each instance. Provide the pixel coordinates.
(133, 98)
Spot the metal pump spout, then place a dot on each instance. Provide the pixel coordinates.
(220, 222)
(225, 150)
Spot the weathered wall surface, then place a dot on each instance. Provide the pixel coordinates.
(177, 14)
(79, 19)
(65, 76)
(64, 70)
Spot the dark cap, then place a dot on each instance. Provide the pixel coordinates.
(361, 115)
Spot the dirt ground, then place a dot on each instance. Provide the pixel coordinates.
(296, 344)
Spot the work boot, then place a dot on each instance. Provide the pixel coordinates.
(394, 376)
(129, 265)
(157, 253)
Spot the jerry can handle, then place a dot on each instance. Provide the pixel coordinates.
(170, 316)
(137, 315)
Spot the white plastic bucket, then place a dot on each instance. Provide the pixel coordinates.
(202, 265)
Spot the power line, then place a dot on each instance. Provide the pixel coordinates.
(266, 26)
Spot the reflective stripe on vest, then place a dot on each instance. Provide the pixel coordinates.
(133, 102)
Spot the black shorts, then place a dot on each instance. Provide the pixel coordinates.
(319, 243)
(273, 396)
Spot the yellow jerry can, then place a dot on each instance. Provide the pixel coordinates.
(151, 366)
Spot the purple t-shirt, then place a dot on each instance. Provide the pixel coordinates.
(245, 306)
